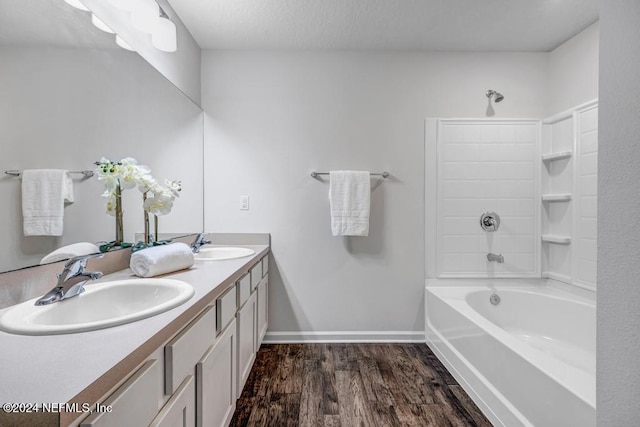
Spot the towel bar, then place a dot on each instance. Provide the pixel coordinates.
(315, 174)
(87, 173)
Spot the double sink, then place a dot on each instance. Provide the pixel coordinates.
(109, 303)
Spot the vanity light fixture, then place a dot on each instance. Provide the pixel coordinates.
(126, 5)
(145, 15)
(77, 4)
(101, 25)
(164, 34)
(123, 44)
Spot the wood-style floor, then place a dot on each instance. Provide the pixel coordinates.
(350, 385)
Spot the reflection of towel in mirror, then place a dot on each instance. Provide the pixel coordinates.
(70, 251)
(350, 202)
(161, 259)
(44, 193)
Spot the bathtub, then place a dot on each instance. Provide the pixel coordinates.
(527, 361)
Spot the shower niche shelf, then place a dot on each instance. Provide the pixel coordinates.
(557, 239)
(556, 156)
(565, 197)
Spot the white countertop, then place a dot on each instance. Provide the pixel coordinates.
(55, 368)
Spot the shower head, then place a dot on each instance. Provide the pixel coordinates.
(492, 93)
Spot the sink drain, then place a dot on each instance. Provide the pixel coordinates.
(494, 299)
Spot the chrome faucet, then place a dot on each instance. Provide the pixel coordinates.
(493, 257)
(199, 242)
(71, 281)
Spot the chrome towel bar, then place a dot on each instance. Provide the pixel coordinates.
(315, 174)
(87, 173)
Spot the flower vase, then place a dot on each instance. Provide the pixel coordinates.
(155, 228)
(146, 220)
(118, 214)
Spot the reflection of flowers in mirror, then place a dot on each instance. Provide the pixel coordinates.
(127, 174)
(119, 176)
(161, 202)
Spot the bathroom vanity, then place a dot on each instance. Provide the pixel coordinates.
(186, 366)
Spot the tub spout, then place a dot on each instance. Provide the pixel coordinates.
(497, 258)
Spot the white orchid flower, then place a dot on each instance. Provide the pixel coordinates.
(174, 186)
(111, 203)
(158, 204)
(146, 183)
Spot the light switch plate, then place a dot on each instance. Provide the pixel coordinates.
(244, 203)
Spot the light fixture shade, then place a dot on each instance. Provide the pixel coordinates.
(126, 5)
(164, 35)
(77, 4)
(145, 15)
(101, 25)
(123, 44)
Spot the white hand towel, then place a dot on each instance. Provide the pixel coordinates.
(350, 202)
(161, 259)
(70, 251)
(44, 192)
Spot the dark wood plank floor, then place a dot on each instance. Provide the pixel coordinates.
(350, 385)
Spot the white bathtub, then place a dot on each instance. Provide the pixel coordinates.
(530, 360)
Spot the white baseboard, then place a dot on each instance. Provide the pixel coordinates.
(344, 337)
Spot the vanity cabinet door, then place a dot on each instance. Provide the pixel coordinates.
(180, 410)
(263, 311)
(216, 381)
(246, 320)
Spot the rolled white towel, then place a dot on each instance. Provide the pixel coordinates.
(161, 259)
(70, 251)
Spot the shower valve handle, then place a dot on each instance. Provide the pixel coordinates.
(490, 221)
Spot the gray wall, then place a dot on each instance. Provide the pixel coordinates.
(573, 71)
(619, 216)
(271, 118)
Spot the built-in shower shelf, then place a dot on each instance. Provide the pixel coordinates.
(556, 156)
(556, 238)
(565, 197)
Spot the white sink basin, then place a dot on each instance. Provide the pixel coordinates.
(102, 305)
(218, 253)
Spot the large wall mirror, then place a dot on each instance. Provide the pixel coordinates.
(69, 96)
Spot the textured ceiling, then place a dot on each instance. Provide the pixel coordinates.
(48, 23)
(434, 25)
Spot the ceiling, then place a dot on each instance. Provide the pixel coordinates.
(433, 25)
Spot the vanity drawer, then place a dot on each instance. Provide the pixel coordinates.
(226, 306)
(244, 289)
(265, 265)
(135, 402)
(256, 275)
(183, 352)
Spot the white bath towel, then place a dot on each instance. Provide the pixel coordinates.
(44, 193)
(350, 202)
(161, 259)
(70, 251)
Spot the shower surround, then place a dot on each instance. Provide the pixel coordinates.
(510, 308)
(488, 166)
